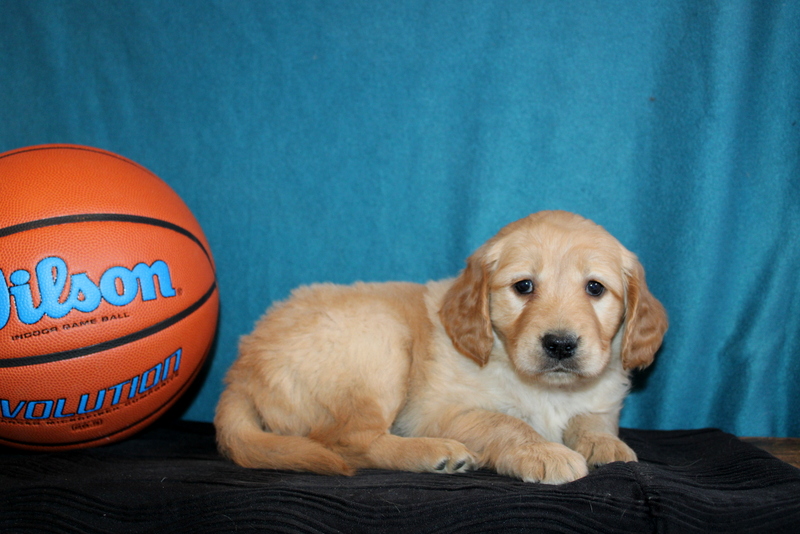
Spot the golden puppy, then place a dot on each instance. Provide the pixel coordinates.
(520, 364)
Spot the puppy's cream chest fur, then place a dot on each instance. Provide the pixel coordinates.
(496, 387)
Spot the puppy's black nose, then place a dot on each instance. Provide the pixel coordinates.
(560, 346)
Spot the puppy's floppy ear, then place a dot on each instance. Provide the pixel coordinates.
(465, 311)
(645, 320)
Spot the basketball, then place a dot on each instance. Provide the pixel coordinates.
(108, 297)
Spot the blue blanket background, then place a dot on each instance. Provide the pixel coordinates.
(386, 140)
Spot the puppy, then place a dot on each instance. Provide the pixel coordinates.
(519, 364)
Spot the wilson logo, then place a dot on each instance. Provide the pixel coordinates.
(61, 292)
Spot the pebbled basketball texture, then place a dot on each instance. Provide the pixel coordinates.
(108, 297)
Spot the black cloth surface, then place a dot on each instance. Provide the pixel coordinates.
(172, 480)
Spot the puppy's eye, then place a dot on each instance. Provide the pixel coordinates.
(524, 287)
(595, 288)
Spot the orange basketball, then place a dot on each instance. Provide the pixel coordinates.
(108, 299)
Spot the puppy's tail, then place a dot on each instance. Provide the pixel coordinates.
(241, 438)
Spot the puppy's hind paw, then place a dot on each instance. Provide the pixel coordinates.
(419, 455)
(457, 458)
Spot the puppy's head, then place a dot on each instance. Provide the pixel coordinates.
(561, 294)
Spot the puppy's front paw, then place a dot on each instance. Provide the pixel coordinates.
(546, 462)
(600, 449)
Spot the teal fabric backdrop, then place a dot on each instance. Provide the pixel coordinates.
(378, 140)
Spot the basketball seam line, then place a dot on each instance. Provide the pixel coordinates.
(112, 343)
(77, 148)
(101, 217)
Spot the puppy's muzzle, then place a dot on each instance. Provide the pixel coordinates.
(559, 345)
